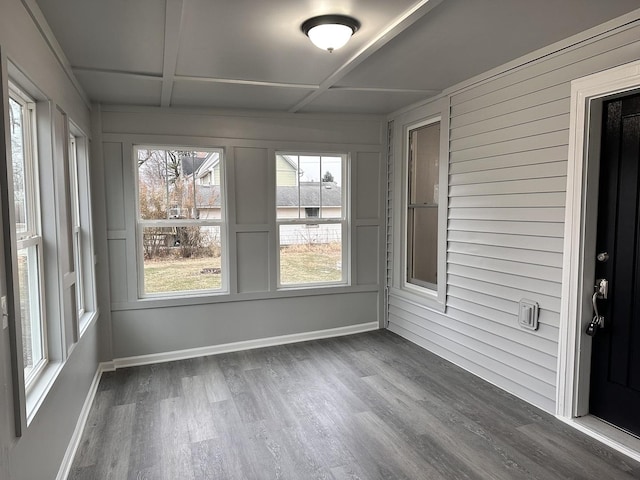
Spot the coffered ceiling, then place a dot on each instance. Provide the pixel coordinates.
(251, 54)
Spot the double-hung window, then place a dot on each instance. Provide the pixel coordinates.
(422, 205)
(76, 225)
(312, 218)
(181, 212)
(28, 233)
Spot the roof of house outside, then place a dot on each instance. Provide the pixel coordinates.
(285, 196)
(189, 164)
(309, 195)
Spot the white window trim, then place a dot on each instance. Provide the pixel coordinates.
(76, 224)
(33, 235)
(222, 224)
(85, 278)
(437, 111)
(344, 222)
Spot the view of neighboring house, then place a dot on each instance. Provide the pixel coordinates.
(296, 197)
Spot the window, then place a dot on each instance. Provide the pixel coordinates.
(180, 220)
(81, 225)
(29, 245)
(311, 193)
(422, 205)
(76, 225)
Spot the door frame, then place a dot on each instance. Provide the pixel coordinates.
(578, 277)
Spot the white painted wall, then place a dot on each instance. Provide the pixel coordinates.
(508, 153)
(37, 454)
(254, 307)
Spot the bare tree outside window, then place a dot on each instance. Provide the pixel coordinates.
(180, 215)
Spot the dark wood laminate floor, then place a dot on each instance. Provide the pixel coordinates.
(367, 406)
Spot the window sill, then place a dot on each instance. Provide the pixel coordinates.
(310, 286)
(421, 297)
(39, 390)
(183, 296)
(87, 319)
(145, 303)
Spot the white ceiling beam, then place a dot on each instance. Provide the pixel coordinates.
(172, 31)
(234, 81)
(386, 90)
(395, 28)
(254, 83)
(123, 73)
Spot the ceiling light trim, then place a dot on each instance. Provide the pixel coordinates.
(330, 32)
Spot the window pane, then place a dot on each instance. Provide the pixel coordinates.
(178, 184)
(331, 191)
(423, 246)
(310, 254)
(77, 254)
(182, 259)
(424, 165)
(153, 184)
(19, 166)
(29, 291)
(286, 170)
(287, 188)
(73, 181)
(208, 189)
(306, 183)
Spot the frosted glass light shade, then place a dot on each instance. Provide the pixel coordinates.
(330, 32)
(330, 37)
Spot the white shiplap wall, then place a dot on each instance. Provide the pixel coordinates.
(508, 149)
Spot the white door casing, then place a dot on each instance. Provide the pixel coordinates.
(574, 351)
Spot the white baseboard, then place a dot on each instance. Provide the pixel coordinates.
(108, 367)
(67, 461)
(245, 345)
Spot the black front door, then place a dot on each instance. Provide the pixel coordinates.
(615, 361)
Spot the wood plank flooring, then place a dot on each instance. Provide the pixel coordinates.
(367, 406)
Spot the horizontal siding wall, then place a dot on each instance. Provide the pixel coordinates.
(507, 187)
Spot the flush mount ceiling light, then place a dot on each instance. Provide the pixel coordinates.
(330, 32)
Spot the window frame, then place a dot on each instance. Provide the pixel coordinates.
(408, 205)
(140, 225)
(32, 236)
(82, 232)
(314, 222)
(434, 298)
(76, 224)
